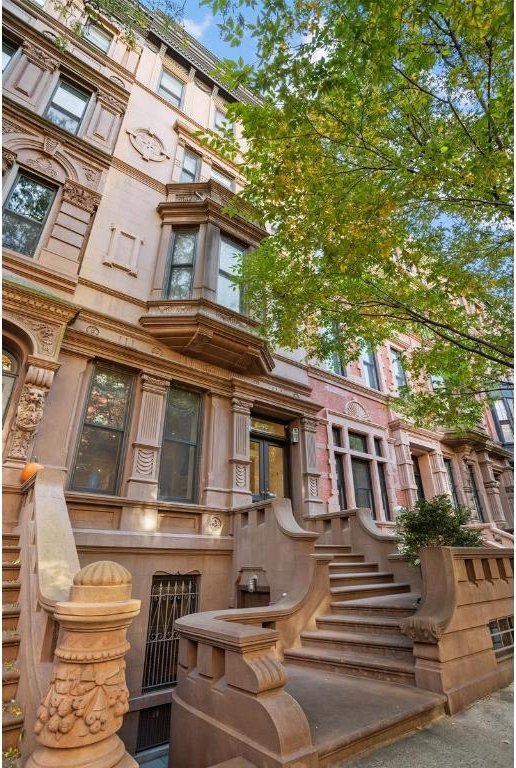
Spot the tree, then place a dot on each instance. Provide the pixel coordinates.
(381, 159)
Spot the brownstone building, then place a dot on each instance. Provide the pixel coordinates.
(130, 364)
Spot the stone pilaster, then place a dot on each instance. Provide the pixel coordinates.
(465, 462)
(439, 476)
(405, 468)
(240, 460)
(83, 707)
(143, 483)
(313, 504)
(492, 489)
(30, 410)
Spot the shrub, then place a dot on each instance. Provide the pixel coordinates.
(434, 523)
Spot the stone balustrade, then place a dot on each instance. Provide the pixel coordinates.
(464, 591)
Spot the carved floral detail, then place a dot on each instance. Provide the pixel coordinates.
(421, 630)
(83, 698)
(356, 410)
(43, 165)
(148, 144)
(92, 330)
(110, 101)
(80, 196)
(8, 127)
(8, 159)
(91, 174)
(39, 56)
(214, 524)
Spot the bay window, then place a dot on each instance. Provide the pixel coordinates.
(191, 167)
(182, 259)
(229, 293)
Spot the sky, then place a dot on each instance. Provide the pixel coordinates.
(202, 24)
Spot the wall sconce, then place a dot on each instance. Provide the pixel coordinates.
(252, 581)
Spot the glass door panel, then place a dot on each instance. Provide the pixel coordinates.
(275, 470)
(254, 467)
(362, 483)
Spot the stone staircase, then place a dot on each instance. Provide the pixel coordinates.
(361, 634)
(12, 713)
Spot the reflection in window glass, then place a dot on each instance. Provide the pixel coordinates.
(229, 293)
(368, 360)
(357, 442)
(25, 212)
(181, 265)
(98, 37)
(178, 465)
(190, 169)
(171, 88)
(397, 368)
(383, 490)
(67, 106)
(102, 436)
(451, 482)
(220, 121)
(226, 181)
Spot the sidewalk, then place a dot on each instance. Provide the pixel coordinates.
(479, 737)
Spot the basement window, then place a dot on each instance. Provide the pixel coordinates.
(502, 636)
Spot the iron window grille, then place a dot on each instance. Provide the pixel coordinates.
(171, 598)
(153, 727)
(502, 636)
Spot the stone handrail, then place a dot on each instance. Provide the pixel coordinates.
(493, 536)
(357, 528)
(230, 700)
(464, 589)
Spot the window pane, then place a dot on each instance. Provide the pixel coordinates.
(269, 427)
(254, 468)
(226, 181)
(97, 460)
(362, 484)
(230, 253)
(30, 198)
(336, 436)
(228, 294)
(420, 491)
(70, 99)
(378, 446)
(341, 485)
(20, 235)
(275, 466)
(451, 482)
(8, 52)
(171, 88)
(190, 165)
(184, 247)
(397, 367)
(220, 120)
(383, 490)
(99, 37)
(182, 417)
(176, 477)
(109, 394)
(369, 367)
(357, 442)
(180, 283)
(70, 124)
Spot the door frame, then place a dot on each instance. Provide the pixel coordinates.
(263, 441)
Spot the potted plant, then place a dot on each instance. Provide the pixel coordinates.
(434, 523)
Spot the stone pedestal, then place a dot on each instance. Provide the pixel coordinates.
(84, 704)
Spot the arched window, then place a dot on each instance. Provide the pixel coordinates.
(10, 369)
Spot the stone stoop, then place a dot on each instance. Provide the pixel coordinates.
(12, 713)
(359, 638)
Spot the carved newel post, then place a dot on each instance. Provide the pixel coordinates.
(87, 697)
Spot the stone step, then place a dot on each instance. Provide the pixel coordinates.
(10, 615)
(374, 624)
(385, 645)
(10, 553)
(401, 671)
(10, 591)
(10, 645)
(354, 557)
(350, 579)
(352, 567)
(12, 724)
(337, 548)
(10, 570)
(11, 539)
(10, 677)
(393, 605)
(360, 591)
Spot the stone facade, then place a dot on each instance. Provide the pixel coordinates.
(95, 297)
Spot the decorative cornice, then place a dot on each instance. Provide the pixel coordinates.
(143, 178)
(39, 56)
(33, 270)
(111, 102)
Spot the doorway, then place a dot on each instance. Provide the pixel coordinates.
(268, 454)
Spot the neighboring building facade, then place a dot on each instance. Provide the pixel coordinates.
(129, 360)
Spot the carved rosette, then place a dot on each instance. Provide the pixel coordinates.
(148, 144)
(75, 194)
(87, 695)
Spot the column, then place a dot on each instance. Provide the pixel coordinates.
(439, 476)
(83, 706)
(313, 504)
(143, 483)
(465, 462)
(405, 468)
(240, 459)
(30, 410)
(492, 489)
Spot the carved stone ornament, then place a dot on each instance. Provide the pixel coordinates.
(40, 57)
(148, 144)
(82, 197)
(215, 524)
(421, 630)
(313, 486)
(51, 146)
(43, 165)
(8, 159)
(92, 330)
(91, 174)
(28, 416)
(240, 475)
(8, 127)
(356, 410)
(110, 101)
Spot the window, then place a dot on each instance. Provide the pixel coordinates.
(420, 491)
(336, 434)
(221, 178)
(98, 37)
(9, 375)
(378, 447)
(101, 443)
(502, 636)
(451, 482)
(8, 51)
(229, 294)
(357, 442)
(397, 367)
(383, 491)
(341, 485)
(67, 106)
(179, 282)
(362, 483)
(220, 121)
(171, 88)
(153, 727)
(25, 212)
(191, 166)
(336, 365)
(437, 382)
(503, 414)
(368, 360)
(178, 466)
(477, 506)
